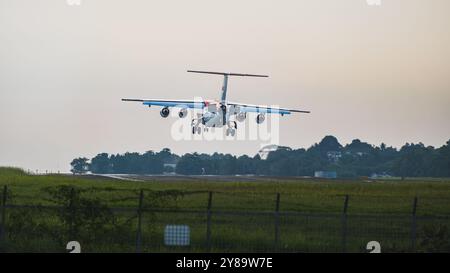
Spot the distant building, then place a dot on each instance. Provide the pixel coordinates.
(169, 168)
(383, 175)
(334, 156)
(354, 154)
(325, 174)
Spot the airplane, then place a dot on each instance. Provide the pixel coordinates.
(216, 113)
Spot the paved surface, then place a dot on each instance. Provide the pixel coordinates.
(219, 178)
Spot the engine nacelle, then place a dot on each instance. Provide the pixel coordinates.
(260, 118)
(241, 116)
(183, 113)
(165, 112)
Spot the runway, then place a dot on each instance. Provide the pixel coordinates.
(209, 178)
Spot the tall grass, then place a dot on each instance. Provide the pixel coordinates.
(391, 197)
(40, 230)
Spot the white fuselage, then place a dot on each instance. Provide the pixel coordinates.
(213, 115)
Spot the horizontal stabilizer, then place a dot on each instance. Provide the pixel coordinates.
(227, 74)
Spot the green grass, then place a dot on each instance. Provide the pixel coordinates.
(391, 198)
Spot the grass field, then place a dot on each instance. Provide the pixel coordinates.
(376, 210)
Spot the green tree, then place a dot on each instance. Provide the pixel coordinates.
(355, 159)
(79, 165)
(101, 164)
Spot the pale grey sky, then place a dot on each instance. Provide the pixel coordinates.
(380, 74)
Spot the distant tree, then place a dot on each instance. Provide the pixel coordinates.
(414, 160)
(358, 147)
(329, 143)
(166, 156)
(193, 164)
(246, 164)
(79, 165)
(355, 159)
(101, 164)
(153, 163)
(442, 161)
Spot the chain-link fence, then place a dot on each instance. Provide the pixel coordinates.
(106, 227)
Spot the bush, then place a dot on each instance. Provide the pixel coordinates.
(436, 238)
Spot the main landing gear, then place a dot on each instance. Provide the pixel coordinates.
(231, 130)
(196, 129)
(196, 126)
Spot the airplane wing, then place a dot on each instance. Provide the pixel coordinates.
(171, 103)
(242, 107)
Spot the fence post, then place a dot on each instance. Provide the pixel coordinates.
(3, 219)
(277, 221)
(414, 225)
(139, 226)
(344, 225)
(208, 222)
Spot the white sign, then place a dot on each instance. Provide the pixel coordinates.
(177, 235)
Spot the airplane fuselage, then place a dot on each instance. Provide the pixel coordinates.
(220, 113)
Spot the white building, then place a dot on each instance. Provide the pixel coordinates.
(325, 174)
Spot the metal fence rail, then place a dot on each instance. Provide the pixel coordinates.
(47, 228)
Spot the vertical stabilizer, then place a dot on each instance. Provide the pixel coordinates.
(223, 95)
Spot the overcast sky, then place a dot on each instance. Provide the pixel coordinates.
(377, 73)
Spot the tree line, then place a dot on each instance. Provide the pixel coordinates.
(352, 160)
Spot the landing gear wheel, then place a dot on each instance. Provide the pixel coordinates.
(193, 130)
(199, 130)
(232, 132)
(227, 132)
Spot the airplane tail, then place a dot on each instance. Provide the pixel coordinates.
(227, 74)
(225, 79)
